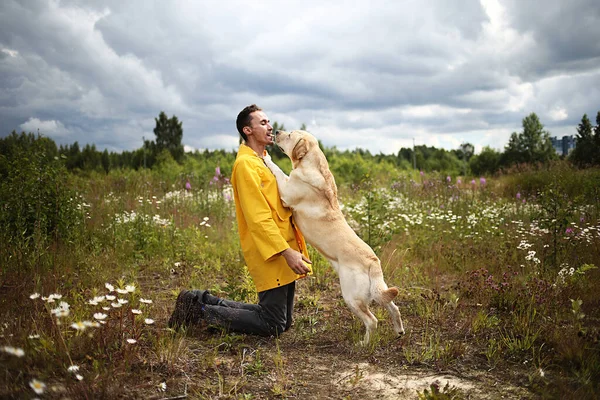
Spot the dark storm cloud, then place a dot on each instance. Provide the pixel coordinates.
(365, 74)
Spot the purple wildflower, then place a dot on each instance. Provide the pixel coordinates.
(422, 173)
(518, 195)
(188, 185)
(482, 181)
(473, 182)
(569, 231)
(458, 181)
(448, 179)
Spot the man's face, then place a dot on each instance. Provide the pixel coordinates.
(260, 128)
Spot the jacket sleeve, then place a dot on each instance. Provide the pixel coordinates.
(257, 213)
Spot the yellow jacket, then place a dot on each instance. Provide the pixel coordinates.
(265, 225)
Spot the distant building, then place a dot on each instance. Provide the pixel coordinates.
(563, 146)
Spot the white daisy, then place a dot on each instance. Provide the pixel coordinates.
(73, 368)
(100, 316)
(15, 351)
(146, 301)
(37, 386)
(148, 321)
(109, 287)
(80, 326)
(131, 341)
(34, 296)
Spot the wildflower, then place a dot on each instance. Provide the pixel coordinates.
(122, 291)
(90, 324)
(472, 181)
(422, 173)
(33, 336)
(109, 287)
(130, 288)
(116, 305)
(136, 311)
(448, 179)
(131, 341)
(37, 386)
(100, 316)
(569, 231)
(162, 386)
(518, 195)
(458, 181)
(482, 181)
(106, 308)
(73, 368)
(146, 301)
(110, 297)
(177, 264)
(96, 300)
(62, 310)
(188, 185)
(148, 321)
(14, 351)
(122, 301)
(80, 326)
(542, 374)
(78, 377)
(34, 296)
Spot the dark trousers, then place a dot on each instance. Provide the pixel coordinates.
(270, 317)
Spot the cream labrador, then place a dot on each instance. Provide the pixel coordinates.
(310, 191)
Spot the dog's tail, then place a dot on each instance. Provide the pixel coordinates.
(379, 289)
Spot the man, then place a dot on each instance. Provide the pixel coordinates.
(274, 249)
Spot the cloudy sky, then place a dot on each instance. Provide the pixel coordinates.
(369, 74)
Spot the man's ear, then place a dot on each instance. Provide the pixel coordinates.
(247, 130)
(300, 150)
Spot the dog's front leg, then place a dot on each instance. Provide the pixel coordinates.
(280, 176)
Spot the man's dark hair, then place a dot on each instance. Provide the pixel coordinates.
(244, 118)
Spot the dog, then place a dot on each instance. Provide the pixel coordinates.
(311, 193)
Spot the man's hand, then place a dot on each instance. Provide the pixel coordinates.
(296, 261)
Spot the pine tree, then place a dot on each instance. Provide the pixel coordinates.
(169, 133)
(585, 149)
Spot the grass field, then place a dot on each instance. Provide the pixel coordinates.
(498, 284)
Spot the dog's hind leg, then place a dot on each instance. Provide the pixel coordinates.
(361, 310)
(356, 293)
(396, 318)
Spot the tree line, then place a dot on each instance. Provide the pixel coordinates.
(531, 145)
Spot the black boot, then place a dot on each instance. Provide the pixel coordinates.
(188, 309)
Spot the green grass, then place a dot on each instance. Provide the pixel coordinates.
(489, 284)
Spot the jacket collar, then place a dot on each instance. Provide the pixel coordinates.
(246, 150)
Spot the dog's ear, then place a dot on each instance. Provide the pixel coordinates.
(300, 149)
